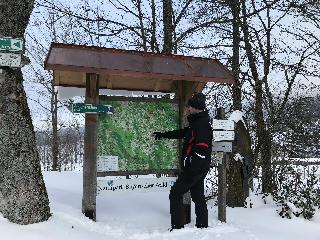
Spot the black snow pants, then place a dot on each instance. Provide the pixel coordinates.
(183, 184)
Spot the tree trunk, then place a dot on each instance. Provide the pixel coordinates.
(54, 109)
(263, 148)
(54, 123)
(236, 88)
(264, 142)
(23, 196)
(235, 177)
(153, 43)
(266, 155)
(167, 26)
(242, 175)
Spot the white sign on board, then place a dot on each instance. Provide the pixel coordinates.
(107, 163)
(135, 185)
(222, 146)
(219, 136)
(10, 59)
(222, 124)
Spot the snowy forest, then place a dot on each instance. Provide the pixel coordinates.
(272, 49)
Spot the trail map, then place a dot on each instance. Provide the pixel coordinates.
(128, 134)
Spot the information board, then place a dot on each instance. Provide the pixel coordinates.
(107, 163)
(127, 134)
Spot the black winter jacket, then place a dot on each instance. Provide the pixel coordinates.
(197, 143)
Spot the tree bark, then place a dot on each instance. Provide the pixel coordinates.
(153, 41)
(236, 88)
(54, 108)
(235, 178)
(167, 26)
(240, 174)
(54, 123)
(23, 196)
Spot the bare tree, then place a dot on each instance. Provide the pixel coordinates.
(23, 196)
(261, 46)
(137, 24)
(243, 34)
(250, 38)
(167, 26)
(53, 27)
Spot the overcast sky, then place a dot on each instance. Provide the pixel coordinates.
(38, 29)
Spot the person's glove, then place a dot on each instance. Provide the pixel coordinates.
(158, 135)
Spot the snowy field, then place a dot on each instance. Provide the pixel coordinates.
(142, 216)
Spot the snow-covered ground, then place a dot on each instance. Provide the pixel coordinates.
(146, 216)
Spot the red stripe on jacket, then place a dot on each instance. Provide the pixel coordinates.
(190, 143)
(202, 144)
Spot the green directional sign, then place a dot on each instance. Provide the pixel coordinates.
(11, 44)
(91, 108)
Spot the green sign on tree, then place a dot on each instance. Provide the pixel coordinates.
(11, 44)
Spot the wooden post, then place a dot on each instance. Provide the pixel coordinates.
(187, 196)
(222, 178)
(90, 150)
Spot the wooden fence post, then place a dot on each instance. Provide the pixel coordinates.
(90, 149)
(222, 178)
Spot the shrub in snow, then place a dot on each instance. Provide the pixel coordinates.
(295, 194)
(257, 199)
(287, 210)
(267, 198)
(309, 195)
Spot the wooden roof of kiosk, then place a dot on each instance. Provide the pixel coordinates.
(94, 68)
(131, 70)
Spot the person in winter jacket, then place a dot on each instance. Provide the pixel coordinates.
(195, 162)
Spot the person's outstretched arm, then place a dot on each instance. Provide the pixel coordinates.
(175, 134)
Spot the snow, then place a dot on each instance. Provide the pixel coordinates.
(292, 207)
(236, 116)
(141, 215)
(238, 157)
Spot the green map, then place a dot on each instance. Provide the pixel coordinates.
(127, 133)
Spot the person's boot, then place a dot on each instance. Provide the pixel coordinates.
(201, 225)
(173, 227)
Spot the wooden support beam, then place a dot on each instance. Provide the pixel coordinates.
(157, 86)
(182, 94)
(90, 149)
(181, 105)
(84, 78)
(109, 81)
